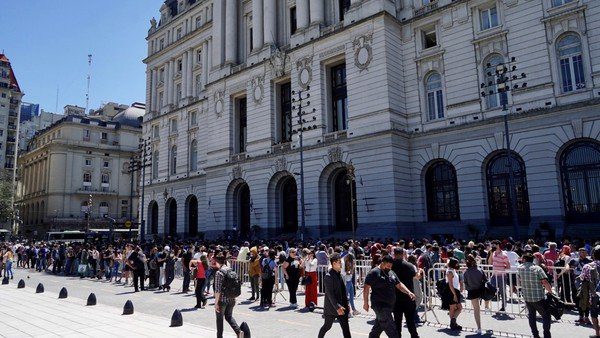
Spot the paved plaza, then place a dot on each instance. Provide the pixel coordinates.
(25, 313)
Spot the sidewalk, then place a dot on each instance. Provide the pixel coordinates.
(23, 313)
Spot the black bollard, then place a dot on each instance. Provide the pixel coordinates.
(40, 288)
(176, 319)
(91, 301)
(128, 308)
(21, 284)
(5, 281)
(244, 328)
(63, 293)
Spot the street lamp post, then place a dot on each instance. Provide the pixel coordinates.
(300, 102)
(503, 84)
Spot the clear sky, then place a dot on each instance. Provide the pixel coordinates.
(47, 42)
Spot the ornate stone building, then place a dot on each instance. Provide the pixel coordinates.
(76, 170)
(405, 94)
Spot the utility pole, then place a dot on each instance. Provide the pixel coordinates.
(299, 103)
(139, 162)
(503, 84)
(89, 76)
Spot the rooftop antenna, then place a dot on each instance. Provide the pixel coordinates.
(87, 94)
(56, 107)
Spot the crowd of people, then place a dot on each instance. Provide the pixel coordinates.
(392, 289)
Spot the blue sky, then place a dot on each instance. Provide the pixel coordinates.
(47, 42)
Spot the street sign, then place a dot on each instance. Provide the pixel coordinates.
(128, 224)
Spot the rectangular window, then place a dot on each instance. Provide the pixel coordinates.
(242, 125)
(344, 6)
(199, 56)
(199, 21)
(193, 119)
(87, 178)
(178, 92)
(198, 84)
(161, 99)
(88, 161)
(556, 3)
(488, 18)
(179, 65)
(179, 31)
(161, 75)
(293, 21)
(173, 125)
(105, 136)
(250, 42)
(162, 44)
(285, 106)
(86, 134)
(155, 131)
(339, 97)
(105, 164)
(429, 38)
(105, 178)
(124, 210)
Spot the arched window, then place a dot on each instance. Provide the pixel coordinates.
(155, 164)
(435, 97)
(194, 156)
(173, 161)
(494, 99)
(571, 62)
(499, 192)
(580, 171)
(442, 192)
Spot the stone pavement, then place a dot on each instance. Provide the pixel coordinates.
(158, 307)
(23, 313)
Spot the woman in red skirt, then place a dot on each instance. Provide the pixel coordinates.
(310, 270)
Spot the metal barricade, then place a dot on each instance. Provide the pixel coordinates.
(242, 269)
(178, 269)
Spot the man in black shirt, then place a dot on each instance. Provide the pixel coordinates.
(336, 299)
(186, 258)
(383, 282)
(136, 263)
(404, 305)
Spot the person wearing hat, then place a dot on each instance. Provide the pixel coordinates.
(405, 305)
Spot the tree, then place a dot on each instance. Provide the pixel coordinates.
(6, 195)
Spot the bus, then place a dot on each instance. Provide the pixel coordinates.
(65, 236)
(5, 235)
(104, 234)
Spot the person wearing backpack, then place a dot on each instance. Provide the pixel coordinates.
(227, 288)
(591, 273)
(269, 267)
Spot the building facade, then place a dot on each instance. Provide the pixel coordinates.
(10, 108)
(29, 127)
(77, 170)
(29, 111)
(402, 132)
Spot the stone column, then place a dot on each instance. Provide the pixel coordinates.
(218, 32)
(205, 66)
(184, 77)
(270, 21)
(302, 11)
(231, 31)
(257, 24)
(317, 11)
(169, 82)
(190, 73)
(153, 94)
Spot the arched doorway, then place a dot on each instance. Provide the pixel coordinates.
(344, 201)
(192, 216)
(153, 217)
(242, 197)
(580, 172)
(289, 205)
(442, 192)
(499, 193)
(171, 217)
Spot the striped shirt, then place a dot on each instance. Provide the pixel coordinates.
(500, 262)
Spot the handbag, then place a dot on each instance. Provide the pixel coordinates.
(489, 291)
(306, 280)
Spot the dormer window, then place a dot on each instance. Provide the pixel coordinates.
(179, 33)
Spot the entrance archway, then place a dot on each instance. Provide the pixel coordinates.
(289, 205)
(171, 217)
(192, 216)
(242, 197)
(344, 196)
(153, 217)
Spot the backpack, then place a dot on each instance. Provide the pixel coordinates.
(231, 288)
(267, 271)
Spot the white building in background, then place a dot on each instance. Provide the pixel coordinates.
(10, 109)
(28, 128)
(395, 94)
(77, 170)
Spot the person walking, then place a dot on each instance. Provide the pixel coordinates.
(533, 282)
(268, 276)
(500, 265)
(136, 264)
(475, 285)
(381, 283)
(201, 267)
(223, 304)
(291, 272)
(456, 287)
(8, 262)
(348, 274)
(336, 299)
(405, 306)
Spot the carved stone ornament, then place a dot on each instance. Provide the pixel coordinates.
(153, 23)
(278, 62)
(363, 52)
(335, 155)
(219, 103)
(258, 88)
(304, 67)
(237, 172)
(280, 164)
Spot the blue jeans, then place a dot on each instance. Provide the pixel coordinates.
(350, 293)
(8, 269)
(115, 270)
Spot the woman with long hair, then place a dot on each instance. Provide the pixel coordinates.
(475, 285)
(348, 264)
(456, 287)
(201, 268)
(310, 265)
